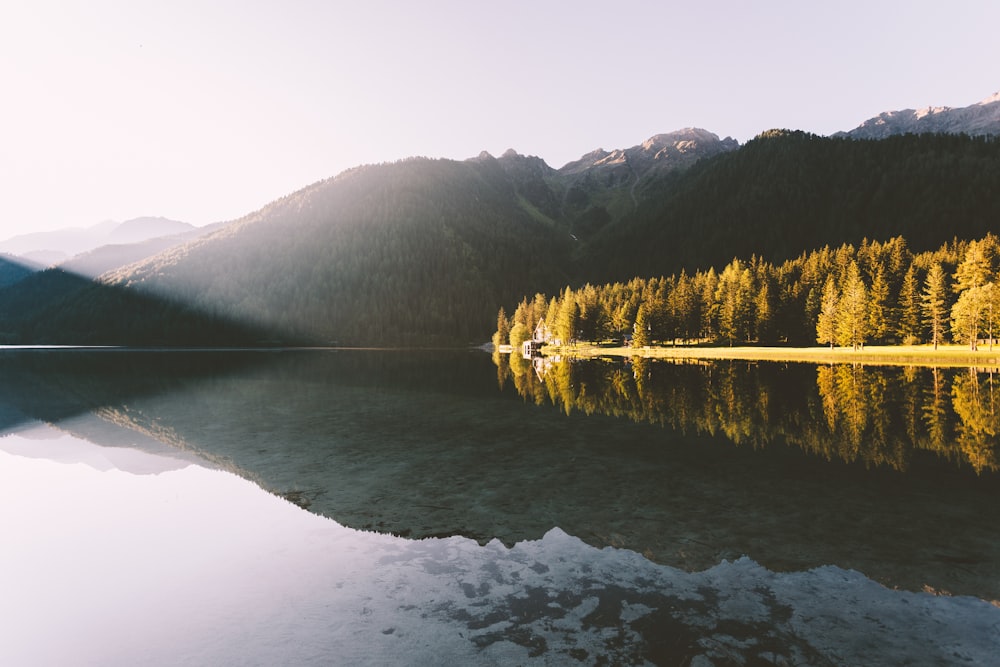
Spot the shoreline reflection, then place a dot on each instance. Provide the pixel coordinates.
(422, 444)
(875, 415)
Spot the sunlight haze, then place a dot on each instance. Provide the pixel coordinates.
(203, 112)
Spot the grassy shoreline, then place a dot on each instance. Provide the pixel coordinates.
(892, 355)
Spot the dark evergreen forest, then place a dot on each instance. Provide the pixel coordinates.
(13, 271)
(785, 193)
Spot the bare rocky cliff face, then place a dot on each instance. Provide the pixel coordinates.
(662, 152)
(659, 153)
(982, 118)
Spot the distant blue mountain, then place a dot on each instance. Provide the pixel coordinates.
(55, 246)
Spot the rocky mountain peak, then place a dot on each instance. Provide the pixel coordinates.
(981, 118)
(672, 150)
(519, 165)
(995, 97)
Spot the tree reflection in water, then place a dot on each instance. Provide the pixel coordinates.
(974, 401)
(875, 415)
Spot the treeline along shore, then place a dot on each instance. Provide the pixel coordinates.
(878, 293)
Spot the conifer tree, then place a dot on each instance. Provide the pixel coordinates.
(502, 334)
(967, 315)
(707, 283)
(878, 306)
(537, 310)
(641, 332)
(552, 312)
(734, 297)
(853, 312)
(684, 301)
(976, 267)
(588, 324)
(934, 302)
(826, 325)
(764, 306)
(621, 307)
(566, 322)
(909, 308)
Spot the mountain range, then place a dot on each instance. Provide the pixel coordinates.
(424, 251)
(53, 247)
(982, 118)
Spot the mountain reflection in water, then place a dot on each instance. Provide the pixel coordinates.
(641, 456)
(163, 562)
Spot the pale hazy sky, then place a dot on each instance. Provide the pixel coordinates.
(203, 110)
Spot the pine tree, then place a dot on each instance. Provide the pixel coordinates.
(684, 301)
(934, 303)
(566, 323)
(502, 334)
(734, 297)
(764, 323)
(853, 313)
(588, 322)
(976, 266)
(707, 283)
(641, 331)
(537, 310)
(826, 324)
(967, 315)
(909, 308)
(878, 307)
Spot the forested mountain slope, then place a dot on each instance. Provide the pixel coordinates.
(603, 187)
(113, 256)
(425, 251)
(788, 192)
(416, 252)
(14, 269)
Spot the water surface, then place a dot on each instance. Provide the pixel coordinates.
(757, 506)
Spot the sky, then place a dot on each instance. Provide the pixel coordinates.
(205, 110)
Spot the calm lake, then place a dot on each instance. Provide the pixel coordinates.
(399, 507)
